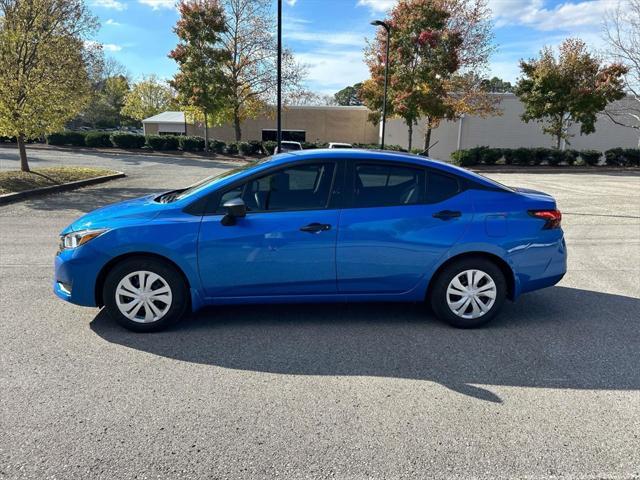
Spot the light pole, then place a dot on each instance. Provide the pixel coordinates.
(387, 27)
(279, 94)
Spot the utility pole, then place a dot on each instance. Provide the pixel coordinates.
(279, 133)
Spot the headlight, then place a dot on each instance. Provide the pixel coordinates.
(75, 239)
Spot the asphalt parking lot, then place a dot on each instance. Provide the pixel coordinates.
(550, 389)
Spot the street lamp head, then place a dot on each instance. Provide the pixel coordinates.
(380, 23)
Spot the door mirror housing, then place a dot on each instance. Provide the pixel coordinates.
(235, 208)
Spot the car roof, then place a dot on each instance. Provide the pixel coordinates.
(386, 155)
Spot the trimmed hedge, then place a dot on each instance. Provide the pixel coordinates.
(217, 146)
(590, 157)
(127, 140)
(191, 144)
(98, 139)
(232, 148)
(623, 157)
(616, 157)
(75, 139)
(163, 142)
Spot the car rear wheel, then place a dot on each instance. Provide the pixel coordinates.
(145, 295)
(468, 293)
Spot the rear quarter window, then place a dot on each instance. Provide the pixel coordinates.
(441, 186)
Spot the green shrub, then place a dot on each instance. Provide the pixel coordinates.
(7, 139)
(489, 156)
(155, 141)
(232, 149)
(217, 146)
(163, 142)
(191, 144)
(571, 156)
(395, 148)
(622, 157)
(522, 156)
(507, 153)
(590, 157)
(127, 140)
(97, 139)
(633, 156)
(309, 146)
(615, 157)
(255, 147)
(244, 148)
(269, 146)
(539, 155)
(556, 157)
(464, 158)
(66, 138)
(171, 142)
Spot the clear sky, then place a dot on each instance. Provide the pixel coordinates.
(329, 35)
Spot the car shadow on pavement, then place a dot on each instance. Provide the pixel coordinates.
(555, 338)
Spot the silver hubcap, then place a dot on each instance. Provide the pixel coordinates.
(471, 294)
(143, 297)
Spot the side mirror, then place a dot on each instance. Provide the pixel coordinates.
(236, 208)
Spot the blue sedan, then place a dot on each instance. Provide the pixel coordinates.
(316, 226)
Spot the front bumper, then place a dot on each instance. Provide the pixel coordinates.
(75, 275)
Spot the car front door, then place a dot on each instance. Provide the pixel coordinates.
(401, 219)
(285, 245)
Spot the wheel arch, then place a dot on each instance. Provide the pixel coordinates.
(504, 267)
(126, 256)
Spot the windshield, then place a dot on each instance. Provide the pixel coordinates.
(212, 180)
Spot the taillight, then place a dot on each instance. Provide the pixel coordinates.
(552, 217)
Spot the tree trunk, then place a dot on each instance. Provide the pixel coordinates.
(24, 163)
(236, 124)
(206, 132)
(410, 135)
(427, 141)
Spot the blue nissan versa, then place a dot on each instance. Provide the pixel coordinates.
(316, 226)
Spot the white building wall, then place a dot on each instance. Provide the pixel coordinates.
(507, 131)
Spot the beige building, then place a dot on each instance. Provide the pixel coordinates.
(302, 123)
(350, 124)
(507, 131)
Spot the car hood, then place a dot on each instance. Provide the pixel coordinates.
(135, 211)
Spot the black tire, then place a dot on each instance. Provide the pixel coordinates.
(438, 293)
(178, 289)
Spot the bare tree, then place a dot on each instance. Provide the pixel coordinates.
(250, 74)
(622, 33)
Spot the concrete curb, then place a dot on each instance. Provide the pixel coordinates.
(17, 196)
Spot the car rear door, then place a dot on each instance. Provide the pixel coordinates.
(401, 219)
(285, 245)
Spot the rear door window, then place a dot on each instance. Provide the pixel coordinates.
(382, 185)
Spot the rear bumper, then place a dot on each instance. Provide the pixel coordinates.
(540, 265)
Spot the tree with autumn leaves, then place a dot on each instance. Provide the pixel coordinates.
(227, 59)
(45, 58)
(438, 52)
(200, 83)
(571, 89)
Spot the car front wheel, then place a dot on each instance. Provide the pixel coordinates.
(145, 295)
(468, 293)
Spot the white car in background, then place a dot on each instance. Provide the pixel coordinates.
(288, 146)
(340, 145)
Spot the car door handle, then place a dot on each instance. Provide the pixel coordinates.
(447, 214)
(315, 228)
